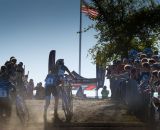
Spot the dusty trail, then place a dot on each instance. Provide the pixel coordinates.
(36, 119)
(85, 111)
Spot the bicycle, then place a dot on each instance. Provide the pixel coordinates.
(22, 110)
(67, 101)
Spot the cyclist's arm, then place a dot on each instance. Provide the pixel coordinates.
(66, 69)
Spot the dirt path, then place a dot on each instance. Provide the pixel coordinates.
(85, 111)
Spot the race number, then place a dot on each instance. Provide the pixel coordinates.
(49, 81)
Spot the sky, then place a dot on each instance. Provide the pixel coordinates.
(30, 29)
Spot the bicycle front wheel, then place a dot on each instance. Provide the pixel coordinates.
(67, 102)
(22, 110)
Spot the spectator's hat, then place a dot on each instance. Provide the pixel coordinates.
(14, 60)
(144, 60)
(127, 67)
(125, 60)
(151, 61)
(155, 73)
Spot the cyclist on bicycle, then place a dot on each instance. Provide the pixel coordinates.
(53, 79)
(5, 88)
(60, 70)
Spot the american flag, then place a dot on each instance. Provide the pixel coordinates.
(93, 13)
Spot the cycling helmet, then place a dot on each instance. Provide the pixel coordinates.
(14, 60)
(7, 63)
(3, 68)
(60, 62)
(20, 64)
(31, 80)
(12, 57)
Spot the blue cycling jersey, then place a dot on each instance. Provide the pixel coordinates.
(51, 80)
(61, 70)
(5, 87)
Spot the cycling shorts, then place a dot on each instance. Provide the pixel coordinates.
(49, 91)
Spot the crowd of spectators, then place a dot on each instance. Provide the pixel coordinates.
(15, 73)
(136, 80)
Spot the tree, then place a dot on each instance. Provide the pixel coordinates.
(123, 25)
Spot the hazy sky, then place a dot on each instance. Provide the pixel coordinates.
(29, 29)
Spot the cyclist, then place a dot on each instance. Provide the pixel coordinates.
(52, 80)
(5, 88)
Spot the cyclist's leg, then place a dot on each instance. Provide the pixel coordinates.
(56, 98)
(47, 99)
(56, 106)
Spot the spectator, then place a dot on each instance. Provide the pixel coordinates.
(104, 93)
(40, 91)
(80, 93)
(143, 56)
(145, 73)
(30, 87)
(158, 85)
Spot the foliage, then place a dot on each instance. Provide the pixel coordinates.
(123, 25)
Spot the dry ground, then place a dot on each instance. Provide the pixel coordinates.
(85, 111)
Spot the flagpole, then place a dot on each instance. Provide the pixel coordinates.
(80, 37)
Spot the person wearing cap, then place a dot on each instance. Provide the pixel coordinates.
(104, 93)
(143, 56)
(128, 69)
(12, 70)
(13, 59)
(144, 60)
(40, 91)
(30, 87)
(151, 61)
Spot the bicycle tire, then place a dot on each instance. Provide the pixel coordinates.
(22, 110)
(67, 102)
